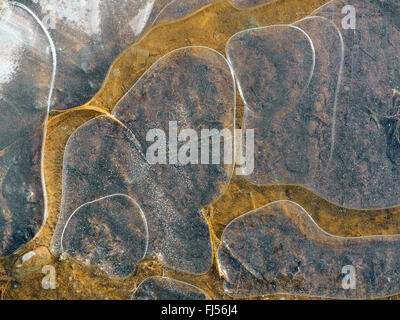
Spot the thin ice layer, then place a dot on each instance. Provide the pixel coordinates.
(102, 159)
(163, 288)
(88, 38)
(365, 166)
(110, 232)
(295, 146)
(279, 249)
(273, 66)
(249, 3)
(26, 66)
(22, 206)
(90, 34)
(192, 86)
(193, 89)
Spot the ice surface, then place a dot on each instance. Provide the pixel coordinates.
(163, 288)
(338, 135)
(27, 66)
(192, 86)
(279, 249)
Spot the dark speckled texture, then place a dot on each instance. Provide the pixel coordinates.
(162, 288)
(280, 249)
